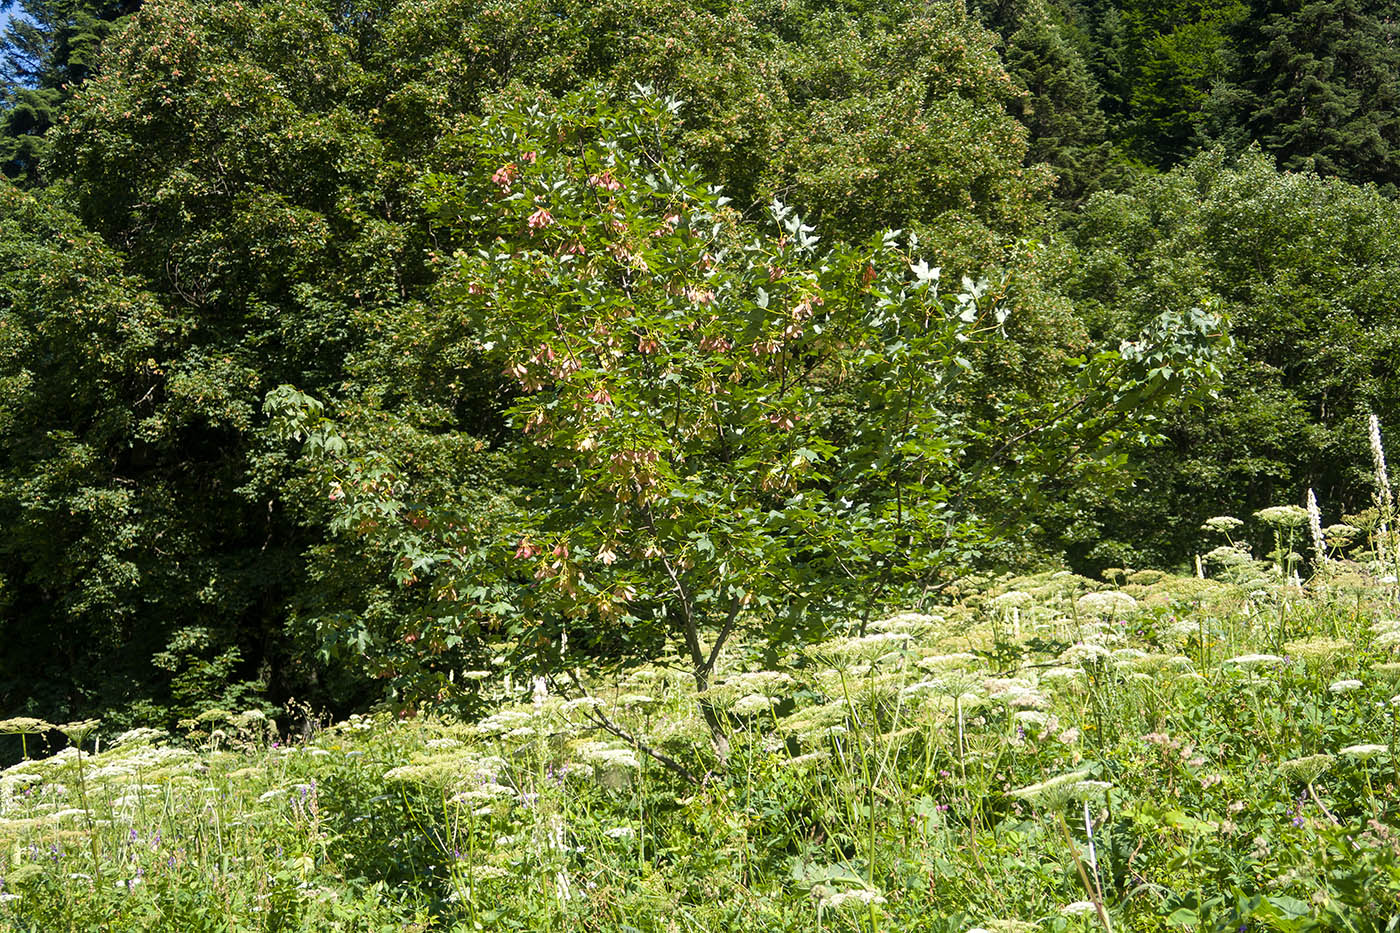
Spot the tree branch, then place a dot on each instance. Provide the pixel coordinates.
(724, 632)
(607, 725)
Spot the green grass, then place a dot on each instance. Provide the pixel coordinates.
(890, 780)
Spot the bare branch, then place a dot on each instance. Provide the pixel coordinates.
(607, 725)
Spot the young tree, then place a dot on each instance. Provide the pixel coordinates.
(723, 423)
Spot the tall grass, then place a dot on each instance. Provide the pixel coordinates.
(1048, 753)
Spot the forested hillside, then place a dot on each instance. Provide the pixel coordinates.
(344, 348)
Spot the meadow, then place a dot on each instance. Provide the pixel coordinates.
(1044, 752)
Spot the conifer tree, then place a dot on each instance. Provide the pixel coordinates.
(47, 49)
(1317, 83)
(1067, 130)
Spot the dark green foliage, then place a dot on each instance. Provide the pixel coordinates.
(1318, 85)
(108, 536)
(1060, 110)
(251, 213)
(1174, 55)
(48, 49)
(1307, 270)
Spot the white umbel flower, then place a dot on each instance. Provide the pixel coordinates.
(1077, 908)
(1248, 661)
(1363, 752)
(858, 898)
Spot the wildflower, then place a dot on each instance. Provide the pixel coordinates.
(620, 832)
(1021, 697)
(1249, 661)
(858, 898)
(1012, 599)
(635, 699)
(1306, 769)
(504, 721)
(484, 792)
(1315, 526)
(24, 725)
(1223, 524)
(1387, 632)
(610, 757)
(1316, 652)
(1056, 674)
(1284, 516)
(575, 769)
(1034, 718)
(1227, 557)
(753, 703)
(1344, 686)
(905, 621)
(78, 732)
(437, 771)
(1340, 535)
(1378, 455)
(1111, 602)
(870, 646)
(1077, 908)
(442, 743)
(938, 661)
(1389, 670)
(1059, 790)
(1084, 652)
(1363, 752)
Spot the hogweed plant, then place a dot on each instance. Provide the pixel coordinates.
(24, 727)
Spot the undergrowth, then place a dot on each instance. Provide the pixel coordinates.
(1048, 753)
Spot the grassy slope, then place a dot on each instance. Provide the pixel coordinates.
(884, 781)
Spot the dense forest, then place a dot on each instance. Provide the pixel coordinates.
(349, 346)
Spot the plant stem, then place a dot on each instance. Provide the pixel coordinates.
(1093, 893)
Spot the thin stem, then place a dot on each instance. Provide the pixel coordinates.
(1312, 792)
(1093, 893)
